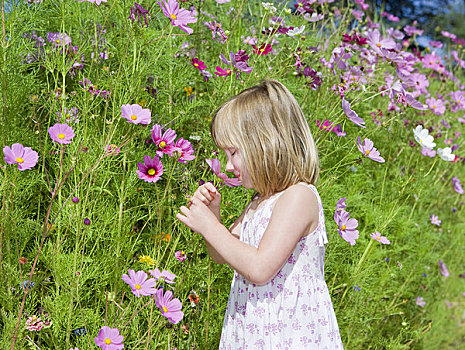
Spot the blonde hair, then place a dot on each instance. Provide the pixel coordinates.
(266, 124)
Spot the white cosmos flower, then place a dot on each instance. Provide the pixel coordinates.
(296, 31)
(446, 154)
(423, 137)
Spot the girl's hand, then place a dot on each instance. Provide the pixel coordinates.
(209, 195)
(198, 216)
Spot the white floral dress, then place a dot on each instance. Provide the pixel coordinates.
(294, 309)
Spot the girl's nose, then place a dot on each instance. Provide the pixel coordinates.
(229, 166)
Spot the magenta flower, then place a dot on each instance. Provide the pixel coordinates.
(61, 133)
(215, 27)
(457, 186)
(170, 308)
(109, 339)
(180, 255)
(179, 17)
(164, 275)
(163, 142)
(347, 227)
(443, 268)
(222, 72)
(263, 50)
(139, 283)
(34, 323)
(136, 114)
(435, 220)
(436, 105)
(25, 157)
(198, 64)
(182, 150)
(377, 236)
(420, 302)
(351, 114)
(215, 165)
(151, 170)
(368, 150)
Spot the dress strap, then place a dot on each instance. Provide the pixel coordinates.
(322, 237)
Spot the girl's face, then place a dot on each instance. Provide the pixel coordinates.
(236, 166)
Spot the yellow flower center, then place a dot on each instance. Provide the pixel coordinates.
(228, 71)
(343, 227)
(196, 64)
(367, 152)
(434, 107)
(173, 16)
(57, 41)
(165, 309)
(61, 136)
(138, 286)
(458, 101)
(378, 238)
(151, 172)
(162, 144)
(67, 114)
(133, 117)
(378, 44)
(19, 160)
(107, 341)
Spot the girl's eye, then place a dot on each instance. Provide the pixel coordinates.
(233, 152)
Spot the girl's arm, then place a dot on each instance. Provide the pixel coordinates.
(294, 214)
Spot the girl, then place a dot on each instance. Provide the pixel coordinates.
(279, 298)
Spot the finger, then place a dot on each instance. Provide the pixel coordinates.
(181, 218)
(206, 194)
(184, 210)
(210, 187)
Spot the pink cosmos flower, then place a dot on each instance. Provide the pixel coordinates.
(164, 275)
(428, 152)
(179, 17)
(59, 39)
(34, 323)
(448, 35)
(436, 105)
(163, 142)
(457, 186)
(351, 114)
(112, 149)
(61, 133)
(263, 50)
(109, 339)
(358, 14)
(368, 150)
(25, 157)
(182, 150)
(198, 64)
(420, 302)
(443, 268)
(151, 170)
(216, 28)
(347, 227)
(437, 44)
(433, 61)
(435, 220)
(139, 283)
(136, 114)
(215, 165)
(170, 308)
(376, 41)
(222, 72)
(340, 206)
(180, 255)
(377, 236)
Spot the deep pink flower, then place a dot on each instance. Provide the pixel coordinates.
(443, 268)
(347, 227)
(180, 255)
(164, 141)
(164, 275)
(222, 72)
(198, 64)
(179, 17)
(170, 308)
(216, 28)
(215, 165)
(182, 150)
(368, 150)
(377, 236)
(263, 50)
(25, 157)
(61, 133)
(136, 114)
(139, 283)
(435, 220)
(34, 323)
(151, 170)
(351, 114)
(109, 339)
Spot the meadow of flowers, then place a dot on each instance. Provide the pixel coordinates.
(105, 133)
